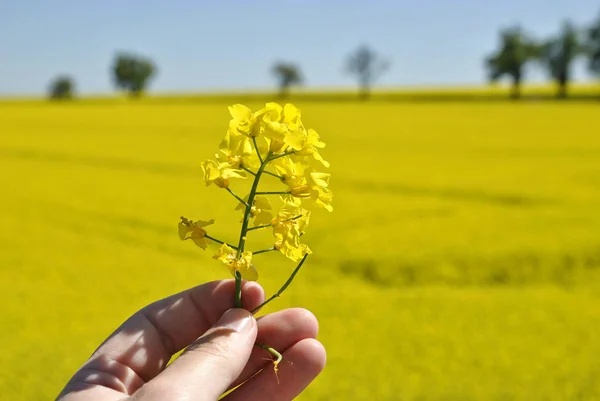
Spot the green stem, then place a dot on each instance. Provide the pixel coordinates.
(284, 154)
(259, 227)
(219, 241)
(273, 174)
(246, 221)
(248, 170)
(282, 289)
(238, 290)
(270, 225)
(247, 214)
(272, 351)
(274, 193)
(264, 251)
(257, 152)
(237, 197)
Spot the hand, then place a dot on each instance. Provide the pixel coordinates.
(132, 363)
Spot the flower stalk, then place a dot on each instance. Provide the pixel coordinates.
(218, 241)
(283, 287)
(292, 152)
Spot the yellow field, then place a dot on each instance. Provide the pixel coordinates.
(461, 262)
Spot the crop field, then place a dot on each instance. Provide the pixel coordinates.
(461, 262)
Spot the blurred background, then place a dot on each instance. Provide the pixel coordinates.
(462, 259)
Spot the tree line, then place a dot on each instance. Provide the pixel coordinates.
(516, 50)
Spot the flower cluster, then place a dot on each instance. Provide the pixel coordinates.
(269, 142)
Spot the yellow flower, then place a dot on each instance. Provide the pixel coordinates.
(252, 124)
(260, 210)
(236, 150)
(288, 168)
(288, 227)
(194, 230)
(284, 129)
(241, 120)
(281, 127)
(243, 265)
(305, 183)
(292, 215)
(311, 148)
(220, 173)
(318, 183)
(294, 253)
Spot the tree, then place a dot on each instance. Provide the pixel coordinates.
(287, 74)
(593, 47)
(558, 55)
(367, 66)
(132, 73)
(516, 50)
(61, 88)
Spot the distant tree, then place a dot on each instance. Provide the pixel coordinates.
(61, 88)
(287, 74)
(367, 66)
(593, 47)
(516, 50)
(558, 55)
(132, 73)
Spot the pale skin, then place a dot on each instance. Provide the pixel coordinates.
(219, 353)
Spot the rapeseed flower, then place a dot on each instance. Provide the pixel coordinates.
(194, 230)
(256, 143)
(311, 148)
(220, 173)
(236, 151)
(260, 210)
(271, 141)
(240, 264)
(288, 227)
(303, 182)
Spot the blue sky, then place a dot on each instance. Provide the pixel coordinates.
(228, 45)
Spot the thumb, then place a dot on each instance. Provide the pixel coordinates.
(206, 369)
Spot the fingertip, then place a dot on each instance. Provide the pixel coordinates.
(239, 320)
(315, 354)
(307, 320)
(298, 320)
(252, 295)
(302, 363)
(280, 330)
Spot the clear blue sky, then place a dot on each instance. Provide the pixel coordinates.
(225, 44)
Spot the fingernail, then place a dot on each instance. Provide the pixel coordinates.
(239, 320)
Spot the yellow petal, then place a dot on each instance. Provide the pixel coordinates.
(245, 267)
(296, 139)
(318, 157)
(240, 205)
(201, 242)
(262, 202)
(224, 253)
(320, 180)
(249, 273)
(303, 221)
(291, 114)
(211, 171)
(201, 223)
(240, 112)
(183, 230)
(227, 173)
(274, 111)
(264, 217)
(247, 256)
(314, 140)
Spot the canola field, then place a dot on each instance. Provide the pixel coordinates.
(461, 261)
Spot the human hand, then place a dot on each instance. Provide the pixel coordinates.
(220, 355)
